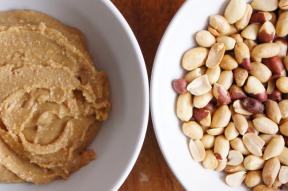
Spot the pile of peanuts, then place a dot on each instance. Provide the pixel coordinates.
(233, 100)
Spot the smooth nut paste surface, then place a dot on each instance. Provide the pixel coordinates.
(52, 99)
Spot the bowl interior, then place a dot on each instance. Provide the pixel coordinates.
(179, 37)
(115, 50)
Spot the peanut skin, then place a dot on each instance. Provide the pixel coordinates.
(253, 105)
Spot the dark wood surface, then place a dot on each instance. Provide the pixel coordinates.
(148, 20)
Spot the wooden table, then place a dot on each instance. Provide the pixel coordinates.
(149, 19)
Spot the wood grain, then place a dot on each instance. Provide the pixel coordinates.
(148, 20)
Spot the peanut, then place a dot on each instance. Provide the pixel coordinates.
(199, 86)
(265, 5)
(205, 39)
(252, 162)
(215, 55)
(180, 86)
(221, 117)
(193, 130)
(197, 150)
(184, 107)
(270, 171)
(253, 178)
(194, 58)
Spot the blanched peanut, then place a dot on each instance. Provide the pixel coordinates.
(197, 150)
(266, 50)
(283, 157)
(213, 74)
(190, 76)
(283, 46)
(274, 147)
(232, 169)
(202, 100)
(208, 141)
(270, 171)
(283, 105)
(235, 158)
(235, 10)
(267, 138)
(228, 63)
(235, 179)
(284, 128)
(253, 143)
(265, 5)
(282, 26)
(194, 58)
(199, 86)
(283, 174)
(240, 76)
(244, 21)
(192, 129)
(210, 161)
(265, 125)
(254, 86)
(273, 111)
(226, 79)
(184, 108)
(215, 55)
(205, 39)
(262, 187)
(251, 31)
(228, 42)
(221, 146)
(215, 131)
(253, 178)
(231, 132)
(282, 84)
(221, 117)
(220, 24)
(237, 144)
(250, 44)
(221, 165)
(283, 4)
(241, 123)
(252, 162)
(260, 71)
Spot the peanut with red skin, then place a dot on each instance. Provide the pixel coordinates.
(236, 93)
(260, 17)
(262, 97)
(276, 95)
(246, 64)
(210, 107)
(200, 114)
(275, 64)
(179, 86)
(253, 105)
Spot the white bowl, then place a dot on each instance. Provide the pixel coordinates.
(116, 51)
(179, 37)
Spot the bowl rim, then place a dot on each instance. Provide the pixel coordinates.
(152, 92)
(145, 83)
